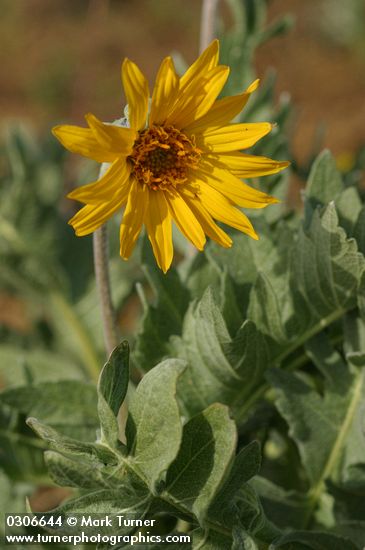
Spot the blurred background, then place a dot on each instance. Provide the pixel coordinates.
(60, 60)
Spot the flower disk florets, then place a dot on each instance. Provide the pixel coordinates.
(162, 156)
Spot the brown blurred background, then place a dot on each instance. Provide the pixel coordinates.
(61, 59)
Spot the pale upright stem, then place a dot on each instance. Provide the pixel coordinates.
(101, 264)
(208, 23)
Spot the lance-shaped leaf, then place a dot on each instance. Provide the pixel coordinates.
(226, 508)
(221, 369)
(154, 427)
(71, 447)
(326, 428)
(324, 183)
(112, 389)
(204, 460)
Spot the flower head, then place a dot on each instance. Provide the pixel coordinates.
(180, 161)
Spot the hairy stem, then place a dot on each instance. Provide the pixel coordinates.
(208, 23)
(101, 264)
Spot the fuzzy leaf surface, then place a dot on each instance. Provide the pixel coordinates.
(154, 427)
(205, 456)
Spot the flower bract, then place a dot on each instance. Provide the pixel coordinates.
(180, 160)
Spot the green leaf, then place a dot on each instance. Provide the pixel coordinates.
(21, 454)
(154, 427)
(204, 540)
(68, 446)
(309, 283)
(85, 472)
(319, 425)
(162, 319)
(326, 428)
(353, 530)
(246, 465)
(266, 310)
(324, 183)
(130, 499)
(12, 497)
(47, 402)
(42, 365)
(219, 366)
(359, 230)
(349, 208)
(325, 275)
(348, 502)
(204, 459)
(285, 508)
(304, 540)
(243, 541)
(112, 389)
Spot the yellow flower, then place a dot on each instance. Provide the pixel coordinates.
(181, 162)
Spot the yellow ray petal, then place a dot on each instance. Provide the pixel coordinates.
(206, 61)
(82, 141)
(198, 97)
(91, 216)
(165, 92)
(137, 93)
(247, 166)
(112, 138)
(133, 218)
(185, 220)
(110, 185)
(222, 111)
(233, 188)
(221, 209)
(206, 221)
(232, 137)
(158, 225)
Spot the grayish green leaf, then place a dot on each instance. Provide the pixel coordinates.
(162, 319)
(324, 183)
(205, 457)
(47, 402)
(224, 507)
(286, 509)
(326, 428)
(221, 368)
(154, 427)
(242, 540)
(304, 540)
(112, 389)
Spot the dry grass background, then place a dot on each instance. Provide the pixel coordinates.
(61, 58)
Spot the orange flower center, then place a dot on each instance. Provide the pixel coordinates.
(162, 156)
